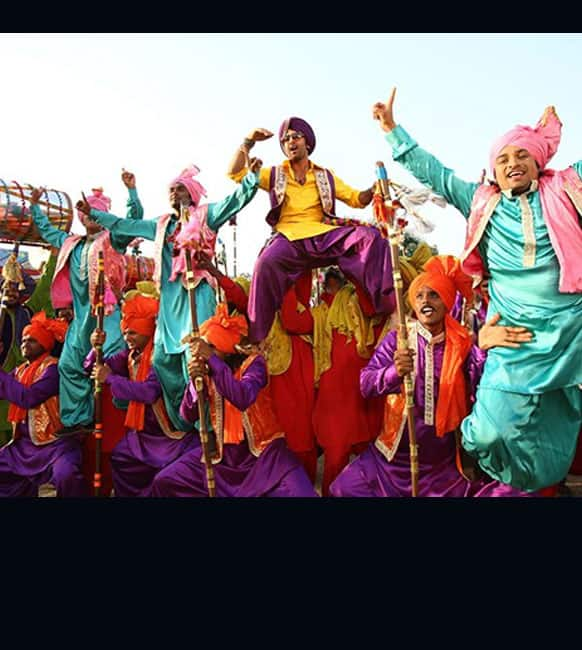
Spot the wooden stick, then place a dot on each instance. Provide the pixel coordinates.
(198, 380)
(98, 391)
(394, 235)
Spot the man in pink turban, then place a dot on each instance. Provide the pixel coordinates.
(74, 285)
(306, 232)
(524, 232)
(191, 224)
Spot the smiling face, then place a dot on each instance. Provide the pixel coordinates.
(30, 348)
(430, 309)
(11, 295)
(134, 340)
(515, 169)
(179, 196)
(295, 146)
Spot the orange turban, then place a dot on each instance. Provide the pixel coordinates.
(224, 331)
(46, 330)
(139, 313)
(443, 274)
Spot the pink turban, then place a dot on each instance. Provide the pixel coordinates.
(542, 141)
(98, 201)
(186, 179)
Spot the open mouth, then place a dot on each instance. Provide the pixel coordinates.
(427, 310)
(515, 174)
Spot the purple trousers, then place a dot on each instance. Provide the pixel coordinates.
(359, 251)
(371, 475)
(138, 457)
(24, 467)
(275, 473)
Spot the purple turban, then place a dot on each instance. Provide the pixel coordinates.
(297, 124)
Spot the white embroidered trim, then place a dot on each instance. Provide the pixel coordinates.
(529, 237)
(280, 184)
(324, 189)
(429, 371)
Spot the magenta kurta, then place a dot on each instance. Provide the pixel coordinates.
(139, 455)
(277, 472)
(24, 466)
(371, 474)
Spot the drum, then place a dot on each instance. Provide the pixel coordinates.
(16, 224)
(138, 268)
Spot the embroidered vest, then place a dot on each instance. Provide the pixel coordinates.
(43, 420)
(207, 243)
(563, 228)
(278, 184)
(259, 423)
(115, 272)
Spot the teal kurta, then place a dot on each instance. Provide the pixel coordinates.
(174, 321)
(525, 423)
(75, 389)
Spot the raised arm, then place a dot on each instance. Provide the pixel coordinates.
(134, 206)
(241, 156)
(219, 213)
(41, 299)
(423, 165)
(129, 228)
(48, 232)
(233, 293)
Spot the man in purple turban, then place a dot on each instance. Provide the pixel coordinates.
(306, 233)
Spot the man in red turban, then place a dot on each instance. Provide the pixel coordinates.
(150, 442)
(250, 457)
(446, 368)
(36, 456)
(523, 230)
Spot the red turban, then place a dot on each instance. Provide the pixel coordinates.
(224, 331)
(443, 274)
(139, 314)
(46, 330)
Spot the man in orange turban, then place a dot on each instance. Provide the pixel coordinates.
(446, 368)
(150, 442)
(250, 456)
(523, 229)
(290, 361)
(35, 455)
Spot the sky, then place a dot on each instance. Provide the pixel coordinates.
(79, 107)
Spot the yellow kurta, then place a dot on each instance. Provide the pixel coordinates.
(301, 212)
